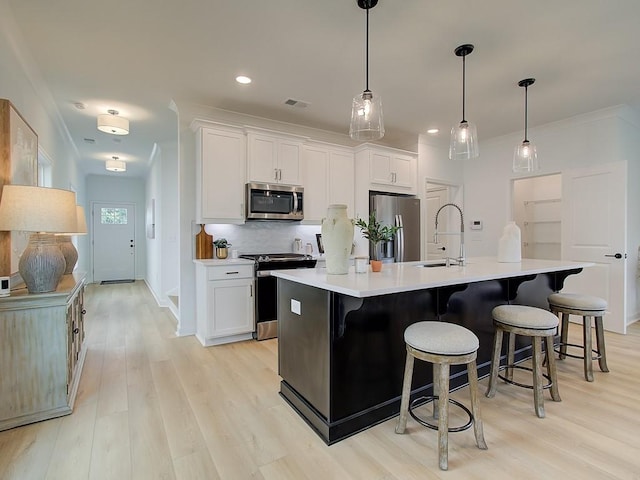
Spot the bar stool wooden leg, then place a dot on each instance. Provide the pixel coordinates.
(510, 355)
(406, 393)
(564, 335)
(495, 363)
(588, 347)
(443, 417)
(551, 369)
(538, 399)
(436, 389)
(472, 372)
(602, 361)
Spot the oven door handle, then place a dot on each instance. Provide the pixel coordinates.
(263, 273)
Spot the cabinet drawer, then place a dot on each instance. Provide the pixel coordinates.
(227, 272)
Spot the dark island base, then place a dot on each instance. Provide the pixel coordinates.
(342, 360)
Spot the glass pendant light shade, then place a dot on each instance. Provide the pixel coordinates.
(366, 113)
(366, 117)
(464, 137)
(525, 156)
(464, 141)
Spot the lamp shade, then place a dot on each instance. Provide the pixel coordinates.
(37, 209)
(116, 165)
(113, 124)
(81, 221)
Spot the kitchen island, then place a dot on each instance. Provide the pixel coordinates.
(341, 349)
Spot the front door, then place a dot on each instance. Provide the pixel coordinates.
(114, 253)
(594, 229)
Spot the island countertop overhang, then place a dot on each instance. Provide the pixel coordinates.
(410, 276)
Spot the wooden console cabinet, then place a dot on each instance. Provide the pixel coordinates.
(41, 352)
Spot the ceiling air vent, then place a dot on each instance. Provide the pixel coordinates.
(296, 103)
(90, 140)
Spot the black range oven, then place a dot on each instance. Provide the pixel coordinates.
(266, 288)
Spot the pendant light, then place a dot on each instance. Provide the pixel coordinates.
(464, 138)
(366, 113)
(525, 157)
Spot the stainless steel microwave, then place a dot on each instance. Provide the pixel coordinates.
(268, 201)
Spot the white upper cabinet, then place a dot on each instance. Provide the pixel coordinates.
(274, 158)
(388, 169)
(220, 173)
(329, 178)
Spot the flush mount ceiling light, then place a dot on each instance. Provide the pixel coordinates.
(116, 165)
(366, 113)
(525, 157)
(113, 124)
(464, 138)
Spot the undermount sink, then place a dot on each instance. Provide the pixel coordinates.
(432, 265)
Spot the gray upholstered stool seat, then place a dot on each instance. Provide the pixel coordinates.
(537, 324)
(585, 306)
(442, 344)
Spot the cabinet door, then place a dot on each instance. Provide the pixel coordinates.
(262, 158)
(404, 171)
(342, 180)
(316, 165)
(230, 308)
(221, 185)
(289, 162)
(380, 168)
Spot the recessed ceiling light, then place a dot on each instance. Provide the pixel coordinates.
(243, 80)
(79, 105)
(433, 131)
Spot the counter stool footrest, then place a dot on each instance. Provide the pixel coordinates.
(597, 355)
(420, 401)
(523, 385)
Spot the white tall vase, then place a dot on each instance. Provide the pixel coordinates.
(509, 246)
(337, 238)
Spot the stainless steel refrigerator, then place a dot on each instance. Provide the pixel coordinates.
(401, 211)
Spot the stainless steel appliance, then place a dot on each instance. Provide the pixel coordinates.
(267, 201)
(266, 288)
(400, 210)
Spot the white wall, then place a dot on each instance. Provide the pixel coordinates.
(604, 136)
(107, 188)
(21, 83)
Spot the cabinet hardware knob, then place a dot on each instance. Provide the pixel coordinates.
(83, 311)
(76, 331)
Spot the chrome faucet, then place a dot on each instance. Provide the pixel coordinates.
(461, 259)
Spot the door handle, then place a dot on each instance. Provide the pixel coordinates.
(617, 255)
(443, 249)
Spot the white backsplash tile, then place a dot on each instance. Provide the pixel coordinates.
(266, 237)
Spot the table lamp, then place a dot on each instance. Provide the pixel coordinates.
(67, 247)
(43, 211)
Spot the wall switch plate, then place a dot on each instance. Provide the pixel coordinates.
(295, 306)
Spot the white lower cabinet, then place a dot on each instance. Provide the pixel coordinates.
(224, 302)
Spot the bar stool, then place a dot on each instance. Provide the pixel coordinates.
(442, 344)
(586, 306)
(531, 322)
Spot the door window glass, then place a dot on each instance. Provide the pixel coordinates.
(113, 216)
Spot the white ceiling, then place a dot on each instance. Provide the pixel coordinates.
(137, 56)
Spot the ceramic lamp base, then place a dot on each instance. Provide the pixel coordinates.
(41, 264)
(68, 251)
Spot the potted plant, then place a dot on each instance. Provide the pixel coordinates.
(221, 245)
(376, 233)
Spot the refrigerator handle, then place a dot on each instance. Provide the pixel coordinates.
(399, 243)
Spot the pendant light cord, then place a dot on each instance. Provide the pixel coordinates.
(526, 107)
(367, 53)
(464, 81)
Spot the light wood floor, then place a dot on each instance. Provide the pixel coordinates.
(153, 406)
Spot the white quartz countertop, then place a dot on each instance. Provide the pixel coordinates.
(408, 276)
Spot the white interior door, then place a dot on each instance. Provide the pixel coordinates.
(114, 252)
(436, 197)
(594, 229)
